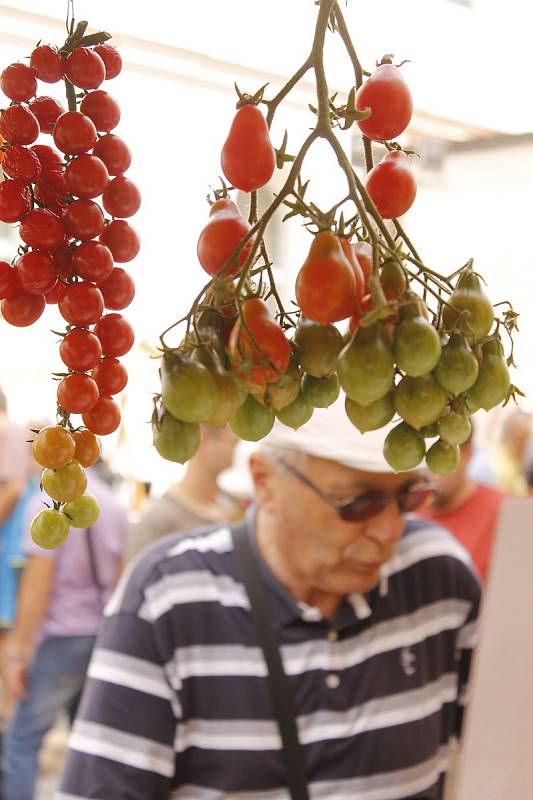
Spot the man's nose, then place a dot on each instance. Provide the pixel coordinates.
(387, 526)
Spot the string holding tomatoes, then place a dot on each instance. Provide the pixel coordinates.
(60, 195)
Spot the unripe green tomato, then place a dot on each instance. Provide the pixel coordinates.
(66, 483)
(454, 428)
(419, 401)
(189, 391)
(458, 367)
(416, 346)
(295, 414)
(228, 399)
(83, 512)
(370, 417)
(493, 382)
(403, 448)
(317, 347)
(285, 390)
(49, 528)
(366, 367)
(442, 458)
(175, 440)
(320, 392)
(252, 421)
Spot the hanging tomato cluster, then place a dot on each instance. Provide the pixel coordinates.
(370, 319)
(69, 194)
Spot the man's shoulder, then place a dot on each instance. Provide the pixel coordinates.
(433, 552)
(202, 554)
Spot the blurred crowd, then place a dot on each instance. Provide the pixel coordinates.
(51, 602)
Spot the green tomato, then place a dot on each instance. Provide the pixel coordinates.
(416, 346)
(320, 392)
(419, 401)
(454, 428)
(228, 399)
(176, 440)
(493, 382)
(317, 347)
(83, 512)
(49, 528)
(189, 390)
(252, 421)
(404, 448)
(370, 417)
(295, 414)
(458, 367)
(66, 483)
(366, 367)
(442, 458)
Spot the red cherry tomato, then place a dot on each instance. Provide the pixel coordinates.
(80, 350)
(22, 308)
(15, 200)
(82, 304)
(51, 191)
(37, 271)
(22, 163)
(42, 229)
(122, 240)
(388, 96)
(121, 197)
(56, 293)
(9, 281)
(102, 108)
(84, 68)
(118, 290)
(114, 152)
(104, 418)
(86, 176)
(115, 334)
(248, 158)
(18, 125)
(92, 261)
(47, 110)
(77, 393)
(83, 220)
(391, 185)
(325, 284)
(74, 133)
(110, 375)
(51, 160)
(273, 349)
(18, 82)
(111, 58)
(224, 231)
(47, 63)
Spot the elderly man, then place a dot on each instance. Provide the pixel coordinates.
(373, 613)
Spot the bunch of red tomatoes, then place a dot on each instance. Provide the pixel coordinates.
(239, 366)
(66, 189)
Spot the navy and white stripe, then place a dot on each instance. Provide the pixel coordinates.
(176, 703)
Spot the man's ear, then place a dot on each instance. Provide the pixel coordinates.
(264, 474)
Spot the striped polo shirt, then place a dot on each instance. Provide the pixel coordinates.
(176, 703)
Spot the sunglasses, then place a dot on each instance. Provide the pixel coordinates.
(363, 506)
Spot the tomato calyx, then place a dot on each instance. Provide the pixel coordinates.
(246, 99)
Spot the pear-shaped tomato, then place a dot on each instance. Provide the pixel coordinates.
(175, 440)
(224, 232)
(261, 353)
(325, 285)
(189, 389)
(392, 278)
(454, 428)
(387, 96)
(391, 185)
(403, 448)
(248, 158)
(419, 401)
(493, 382)
(366, 368)
(416, 344)
(370, 417)
(252, 421)
(320, 392)
(443, 458)
(469, 309)
(361, 263)
(317, 347)
(458, 367)
(296, 413)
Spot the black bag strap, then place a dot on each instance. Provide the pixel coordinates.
(94, 568)
(278, 683)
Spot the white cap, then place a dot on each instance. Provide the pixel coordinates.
(330, 434)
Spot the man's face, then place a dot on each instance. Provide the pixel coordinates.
(319, 547)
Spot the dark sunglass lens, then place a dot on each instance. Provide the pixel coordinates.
(414, 498)
(363, 507)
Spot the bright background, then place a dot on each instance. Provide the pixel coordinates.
(469, 73)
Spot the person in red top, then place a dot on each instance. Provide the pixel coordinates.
(468, 509)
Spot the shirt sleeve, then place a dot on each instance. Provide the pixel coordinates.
(122, 743)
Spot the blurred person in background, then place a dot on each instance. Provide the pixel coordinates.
(59, 610)
(15, 489)
(372, 613)
(508, 460)
(196, 500)
(468, 509)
